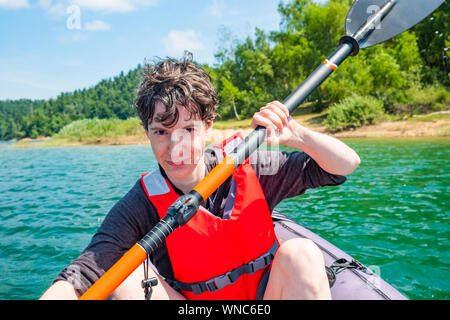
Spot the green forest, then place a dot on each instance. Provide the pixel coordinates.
(406, 75)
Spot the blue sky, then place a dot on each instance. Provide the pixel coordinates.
(54, 46)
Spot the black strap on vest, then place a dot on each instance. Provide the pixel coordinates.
(228, 278)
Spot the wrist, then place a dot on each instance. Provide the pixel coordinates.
(300, 136)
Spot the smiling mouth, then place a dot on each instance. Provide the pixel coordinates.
(177, 164)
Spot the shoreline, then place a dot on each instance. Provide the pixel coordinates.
(384, 130)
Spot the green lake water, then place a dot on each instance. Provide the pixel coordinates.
(392, 213)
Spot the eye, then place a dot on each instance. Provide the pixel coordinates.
(189, 130)
(159, 132)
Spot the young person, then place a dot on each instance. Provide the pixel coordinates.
(229, 249)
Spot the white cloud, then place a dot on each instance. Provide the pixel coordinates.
(45, 3)
(14, 4)
(216, 8)
(97, 25)
(113, 5)
(177, 41)
(57, 8)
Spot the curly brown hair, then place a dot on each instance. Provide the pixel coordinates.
(175, 82)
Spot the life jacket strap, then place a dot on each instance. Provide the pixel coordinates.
(228, 278)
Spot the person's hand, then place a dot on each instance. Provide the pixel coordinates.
(331, 155)
(279, 125)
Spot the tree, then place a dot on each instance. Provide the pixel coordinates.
(229, 94)
(433, 38)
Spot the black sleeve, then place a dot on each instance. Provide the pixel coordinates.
(126, 223)
(285, 175)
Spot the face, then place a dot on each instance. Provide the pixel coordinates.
(179, 149)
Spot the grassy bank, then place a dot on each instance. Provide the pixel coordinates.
(95, 132)
(128, 132)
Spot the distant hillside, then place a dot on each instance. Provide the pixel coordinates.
(13, 112)
(110, 98)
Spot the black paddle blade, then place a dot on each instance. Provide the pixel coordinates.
(403, 15)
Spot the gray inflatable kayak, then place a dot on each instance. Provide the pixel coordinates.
(349, 279)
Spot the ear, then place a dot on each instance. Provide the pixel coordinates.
(147, 133)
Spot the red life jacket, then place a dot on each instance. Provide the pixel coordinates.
(214, 258)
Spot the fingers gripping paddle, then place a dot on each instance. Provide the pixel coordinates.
(369, 22)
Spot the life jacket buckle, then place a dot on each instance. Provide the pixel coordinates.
(197, 289)
(260, 263)
(220, 282)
